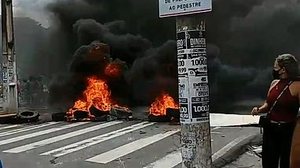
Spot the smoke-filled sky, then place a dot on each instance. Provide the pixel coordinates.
(244, 38)
(35, 9)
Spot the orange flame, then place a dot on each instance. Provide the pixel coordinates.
(97, 94)
(113, 70)
(161, 103)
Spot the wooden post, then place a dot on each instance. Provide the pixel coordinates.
(193, 92)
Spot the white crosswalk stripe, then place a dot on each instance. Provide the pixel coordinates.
(129, 148)
(20, 138)
(95, 140)
(9, 127)
(170, 160)
(11, 132)
(59, 138)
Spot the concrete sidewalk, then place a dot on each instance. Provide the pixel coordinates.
(247, 159)
(228, 143)
(232, 154)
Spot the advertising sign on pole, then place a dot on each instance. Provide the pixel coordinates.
(193, 77)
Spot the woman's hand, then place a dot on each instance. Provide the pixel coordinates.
(255, 111)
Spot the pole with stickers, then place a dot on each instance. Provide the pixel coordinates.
(193, 93)
(193, 79)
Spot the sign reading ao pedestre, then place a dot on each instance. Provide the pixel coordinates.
(168, 8)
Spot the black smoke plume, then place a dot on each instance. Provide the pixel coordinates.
(244, 38)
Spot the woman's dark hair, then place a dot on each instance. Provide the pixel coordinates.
(290, 63)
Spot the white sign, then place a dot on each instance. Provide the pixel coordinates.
(168, 8)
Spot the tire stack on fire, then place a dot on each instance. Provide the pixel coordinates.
(97, 102)
(164, 109)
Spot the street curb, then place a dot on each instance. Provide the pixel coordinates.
(231, 151)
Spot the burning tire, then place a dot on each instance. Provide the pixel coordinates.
(98, 114)
(162, 118)
(59, 116)
(163, 109)
(28, 116)
(120, 113)
(81, 115)
(8, 118)
(173, 113)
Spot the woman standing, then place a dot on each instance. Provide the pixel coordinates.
(281, 106)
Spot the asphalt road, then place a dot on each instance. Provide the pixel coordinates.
(115, 144)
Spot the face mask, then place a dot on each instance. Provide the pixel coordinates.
(276, 74)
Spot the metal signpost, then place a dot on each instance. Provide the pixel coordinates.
(193, 80)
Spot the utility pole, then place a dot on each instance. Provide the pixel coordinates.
(193, 92)
(8, 66)
(193, 79)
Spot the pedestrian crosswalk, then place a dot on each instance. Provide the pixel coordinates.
(94, 143)
(114, 144)
(39, 133)
(6, 133)
(95, 140)
(129, 148)
(59, 138)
